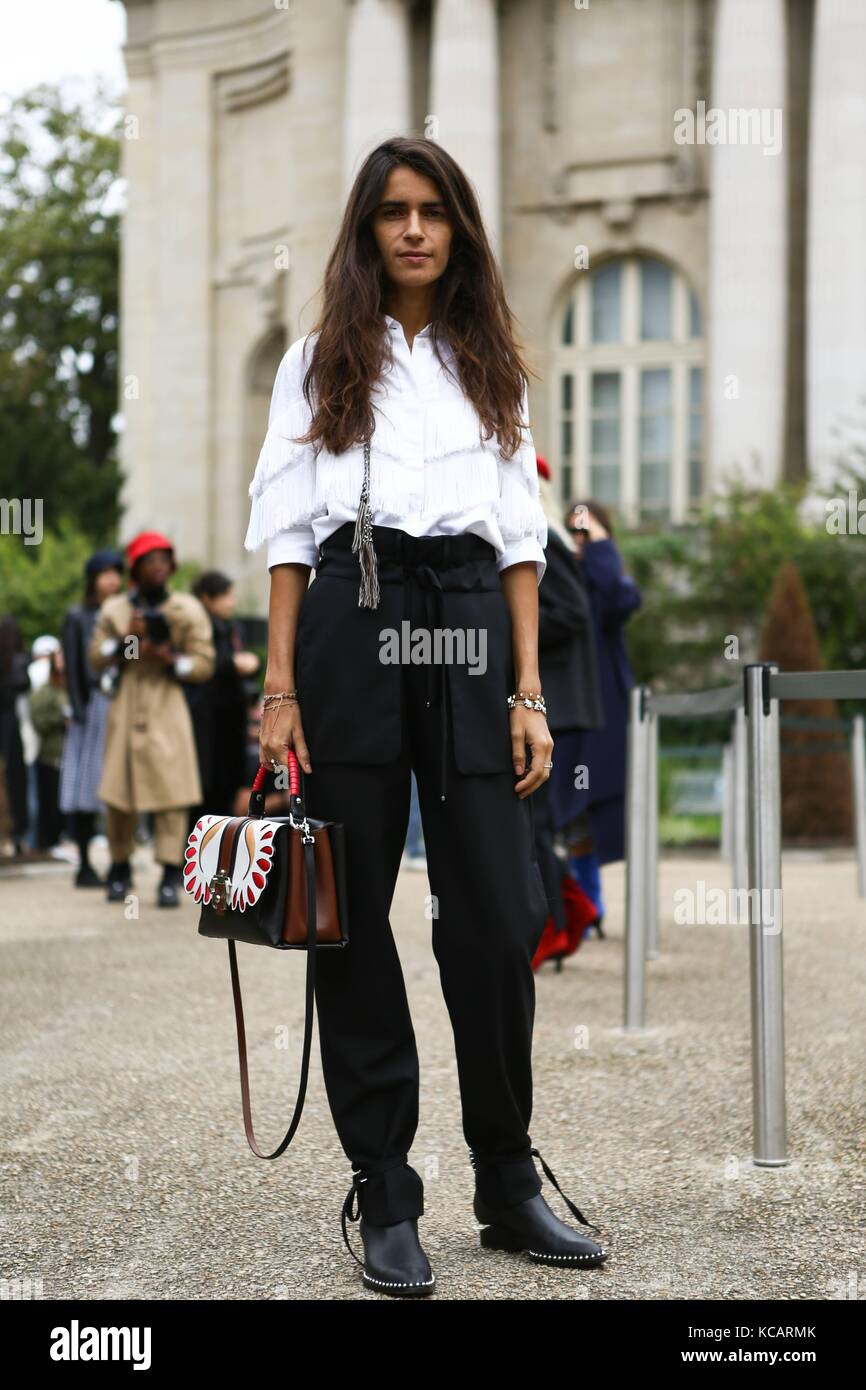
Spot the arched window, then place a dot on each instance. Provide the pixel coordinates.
(628, 376)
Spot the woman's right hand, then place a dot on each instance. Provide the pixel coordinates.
(282, 729)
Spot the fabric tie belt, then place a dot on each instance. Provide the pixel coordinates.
(438, 565)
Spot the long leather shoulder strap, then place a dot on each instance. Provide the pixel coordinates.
(310, 866)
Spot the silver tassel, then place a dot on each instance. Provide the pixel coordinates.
(362, 541)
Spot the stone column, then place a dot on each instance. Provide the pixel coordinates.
(464, 96)
(182, 493)
(378, 80)
(836, 259)
(748, 244)
(138, 329)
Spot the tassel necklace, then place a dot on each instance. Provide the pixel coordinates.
(362, 542)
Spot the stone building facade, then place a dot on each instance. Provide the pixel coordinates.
(676, 191)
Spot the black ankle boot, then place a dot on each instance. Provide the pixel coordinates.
(394, 1262)
(119, 880)
(171, 878)
(84, 824)
(87, 877)
(532, 1228)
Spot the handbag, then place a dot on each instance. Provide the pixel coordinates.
(276, 881)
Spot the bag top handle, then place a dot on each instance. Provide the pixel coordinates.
(257, 796)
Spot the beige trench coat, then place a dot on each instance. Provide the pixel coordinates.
(150, 761)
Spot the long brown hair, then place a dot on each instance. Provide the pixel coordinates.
(469, 309)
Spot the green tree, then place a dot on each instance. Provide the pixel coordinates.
(39, 582)
(704, 582)
(59, 256)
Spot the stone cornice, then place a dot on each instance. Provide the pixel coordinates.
(234, 46)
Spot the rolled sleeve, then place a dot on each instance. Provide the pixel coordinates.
(527, 549)
(522, 520)
(283, 487)
(294, 546)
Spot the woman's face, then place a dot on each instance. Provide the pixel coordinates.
(584, 528)
(412, 229)
(221, 605)
(154, 568)
(107, 583)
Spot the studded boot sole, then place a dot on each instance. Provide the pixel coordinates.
(497, 1238)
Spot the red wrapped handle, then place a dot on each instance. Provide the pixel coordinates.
(294, 775)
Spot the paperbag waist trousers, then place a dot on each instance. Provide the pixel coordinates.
(368, 722)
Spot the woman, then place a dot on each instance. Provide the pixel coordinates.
(219, 706)
(49, 714)
(155, 638)
(14, 682)
(599, 808)
(570, 677)
(81, 767)
(434, 530)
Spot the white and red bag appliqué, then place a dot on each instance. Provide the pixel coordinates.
(253, 860)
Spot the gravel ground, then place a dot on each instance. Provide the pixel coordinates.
(126, 1173)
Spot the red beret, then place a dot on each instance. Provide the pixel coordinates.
(144, 542)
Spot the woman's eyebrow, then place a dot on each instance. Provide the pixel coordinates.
(401, 203)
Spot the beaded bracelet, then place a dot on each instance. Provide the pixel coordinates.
(531, 699)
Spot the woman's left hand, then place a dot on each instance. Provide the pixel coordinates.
(529, 726)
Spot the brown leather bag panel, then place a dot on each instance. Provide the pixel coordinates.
(327, 919)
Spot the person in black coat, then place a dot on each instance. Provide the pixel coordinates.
(597, 811)
(84, 746)
(14, 681)
(569, 680)
(219, 705)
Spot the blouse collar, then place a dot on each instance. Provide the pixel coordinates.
(396, 326)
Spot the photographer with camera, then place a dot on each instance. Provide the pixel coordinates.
(154, 638)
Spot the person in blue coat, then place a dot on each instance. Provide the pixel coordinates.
(567, 667)
(593, 815)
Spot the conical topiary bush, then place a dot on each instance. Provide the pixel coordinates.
(816, 787)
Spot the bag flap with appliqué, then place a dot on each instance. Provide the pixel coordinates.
(253, 860)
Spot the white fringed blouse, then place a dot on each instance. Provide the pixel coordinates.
(431, 473)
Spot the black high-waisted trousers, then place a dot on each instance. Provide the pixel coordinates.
(367, 722)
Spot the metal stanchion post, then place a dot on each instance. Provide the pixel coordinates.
(765, 931)
(726, 843)
(740, 855)
(858, 769)
(635, 860)
(652, 836)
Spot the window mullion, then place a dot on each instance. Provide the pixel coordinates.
(630, 481)
(581, 431)
(680, 441)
